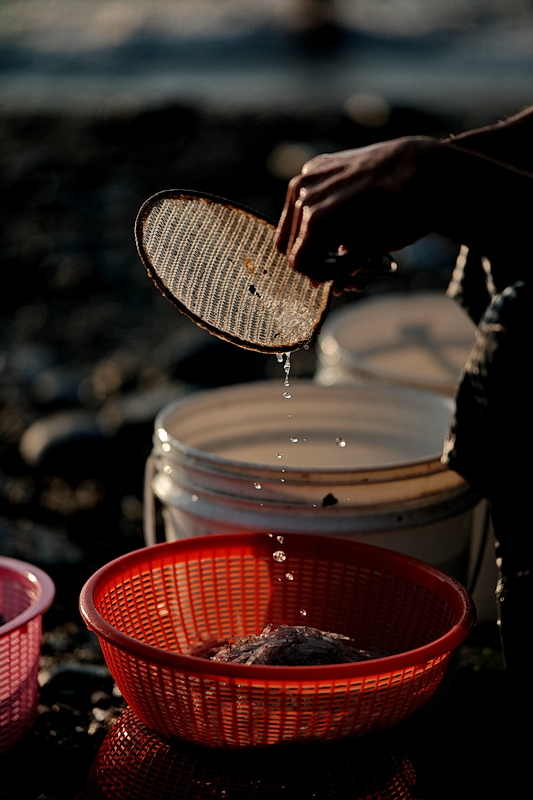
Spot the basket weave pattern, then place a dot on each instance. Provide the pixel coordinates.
(23, 598)
(133, 763)
(171, 601)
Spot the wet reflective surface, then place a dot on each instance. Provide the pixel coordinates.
(132, 762)
(465, 744)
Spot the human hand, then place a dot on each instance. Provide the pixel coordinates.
(360, 203)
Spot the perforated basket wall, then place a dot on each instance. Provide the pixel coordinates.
(134, 764)
(150, 607)
(25, 593)
(216, 261)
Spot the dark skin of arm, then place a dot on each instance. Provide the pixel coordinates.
(475, 189)
(508, 141)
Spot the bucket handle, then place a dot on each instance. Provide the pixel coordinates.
(149, 502)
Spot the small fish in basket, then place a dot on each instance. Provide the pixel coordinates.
(287, 645)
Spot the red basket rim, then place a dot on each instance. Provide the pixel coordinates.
(187, 663)
(33, 577)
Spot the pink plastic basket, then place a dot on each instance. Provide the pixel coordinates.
(26, 592)
(151, 606)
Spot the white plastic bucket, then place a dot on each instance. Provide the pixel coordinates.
(365, 466)
(420, 340)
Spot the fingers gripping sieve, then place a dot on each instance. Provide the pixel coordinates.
(215, 260)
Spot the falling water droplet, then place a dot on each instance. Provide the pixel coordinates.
(303, 612)
(280, 539)
(194, 498)
(287, 395)
(289, 576)
(282, 480)
(279, 555)
(271, 535)
(289, 415)
(257, 485)
(278, 455)
(287, 367)
(340, 442)
(279, 357)
(293, 439)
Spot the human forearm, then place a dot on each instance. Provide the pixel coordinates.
(375, 199)
(483, 203)
(509, 141)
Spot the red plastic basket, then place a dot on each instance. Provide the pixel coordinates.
(26, 592)
(151, 606)
(135, 764)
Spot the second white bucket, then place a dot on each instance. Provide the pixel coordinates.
(360, 462)
(420, 340)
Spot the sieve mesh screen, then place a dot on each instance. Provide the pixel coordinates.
(216, 261)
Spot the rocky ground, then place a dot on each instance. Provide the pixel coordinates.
(89, 352)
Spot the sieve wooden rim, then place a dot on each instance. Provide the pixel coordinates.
(185, 194)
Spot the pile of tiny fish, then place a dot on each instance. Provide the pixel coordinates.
(288, 645)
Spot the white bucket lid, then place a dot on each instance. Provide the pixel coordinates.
(421, 340)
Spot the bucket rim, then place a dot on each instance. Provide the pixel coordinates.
(433, 463)
(432, 460)
(32, 577)
(438, 648)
